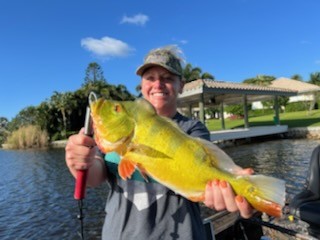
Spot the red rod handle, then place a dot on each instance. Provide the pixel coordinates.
(80, 187)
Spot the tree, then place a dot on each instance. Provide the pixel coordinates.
(315, 78)
(190, 73)
(47, 117)
(64, 113)
(297, 77)
(3, 122)
(94, 73)
(98, 86)
(138, 90)
(122, 93)
(265, 80)
(3, 129)
(27, 116)
(64, 102)
(261, 80)
(235, 109)
(207, 76)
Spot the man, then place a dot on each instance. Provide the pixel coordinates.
(137, 209)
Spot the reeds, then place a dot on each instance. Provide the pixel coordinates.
(28, 137)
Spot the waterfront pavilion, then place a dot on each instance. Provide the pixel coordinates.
(204, 93)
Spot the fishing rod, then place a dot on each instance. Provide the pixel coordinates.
(281, 229)
(80, 187)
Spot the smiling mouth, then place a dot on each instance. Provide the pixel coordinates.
(159, 94)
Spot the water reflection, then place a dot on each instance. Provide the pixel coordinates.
(36, 189)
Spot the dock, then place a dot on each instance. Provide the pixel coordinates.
(242, 133)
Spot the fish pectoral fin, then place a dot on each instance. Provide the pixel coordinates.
(126, 168)
(219, 158)
(144, 150)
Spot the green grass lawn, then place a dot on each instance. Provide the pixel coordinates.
(292, 119)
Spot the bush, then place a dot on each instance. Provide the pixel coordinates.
(27, 137)
(260, 112)
(3, 136)
(236, 109)
(56, 136)
(297, 106)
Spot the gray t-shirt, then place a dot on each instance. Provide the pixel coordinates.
(136, 209)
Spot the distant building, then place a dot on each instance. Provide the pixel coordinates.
(306, 91)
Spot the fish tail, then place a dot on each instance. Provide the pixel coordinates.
(268, 194)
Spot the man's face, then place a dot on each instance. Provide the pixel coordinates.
(161, 88)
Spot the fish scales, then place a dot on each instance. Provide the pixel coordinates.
(155, 133)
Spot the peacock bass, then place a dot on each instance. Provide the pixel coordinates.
(158, 148)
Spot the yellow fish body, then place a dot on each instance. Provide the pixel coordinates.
(158, 148)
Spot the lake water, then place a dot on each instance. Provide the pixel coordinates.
(36, 189)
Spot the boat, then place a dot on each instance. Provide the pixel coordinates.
(306, 204)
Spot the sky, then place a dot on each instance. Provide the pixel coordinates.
(46, 45)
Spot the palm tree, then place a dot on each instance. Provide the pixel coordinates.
(190, 73)
(193, 73)
(207, 76)
(297, 77)
(64, 102)
(138, 90)
(262, 80)
(315, 78)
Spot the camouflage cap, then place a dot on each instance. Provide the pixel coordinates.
(162, 57)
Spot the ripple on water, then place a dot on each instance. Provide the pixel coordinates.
(285, 159)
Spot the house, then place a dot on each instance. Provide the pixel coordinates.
(305, 91)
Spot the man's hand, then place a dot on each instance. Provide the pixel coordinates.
(80, 151)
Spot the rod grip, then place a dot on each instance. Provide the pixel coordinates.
(81, 180)
(80, 188)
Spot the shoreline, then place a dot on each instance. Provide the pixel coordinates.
(293, 133)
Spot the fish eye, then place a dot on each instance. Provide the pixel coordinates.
(117, 108)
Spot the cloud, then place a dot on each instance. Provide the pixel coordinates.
(106, 47)
(182, 41)
(139, 19)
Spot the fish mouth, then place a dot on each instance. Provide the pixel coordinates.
(95, 101)
(123, 140)
(119, 146)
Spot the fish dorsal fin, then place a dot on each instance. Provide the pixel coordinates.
(222, 160)
(147, 108)
(145, 105)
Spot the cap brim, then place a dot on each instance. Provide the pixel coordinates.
(144, 67)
